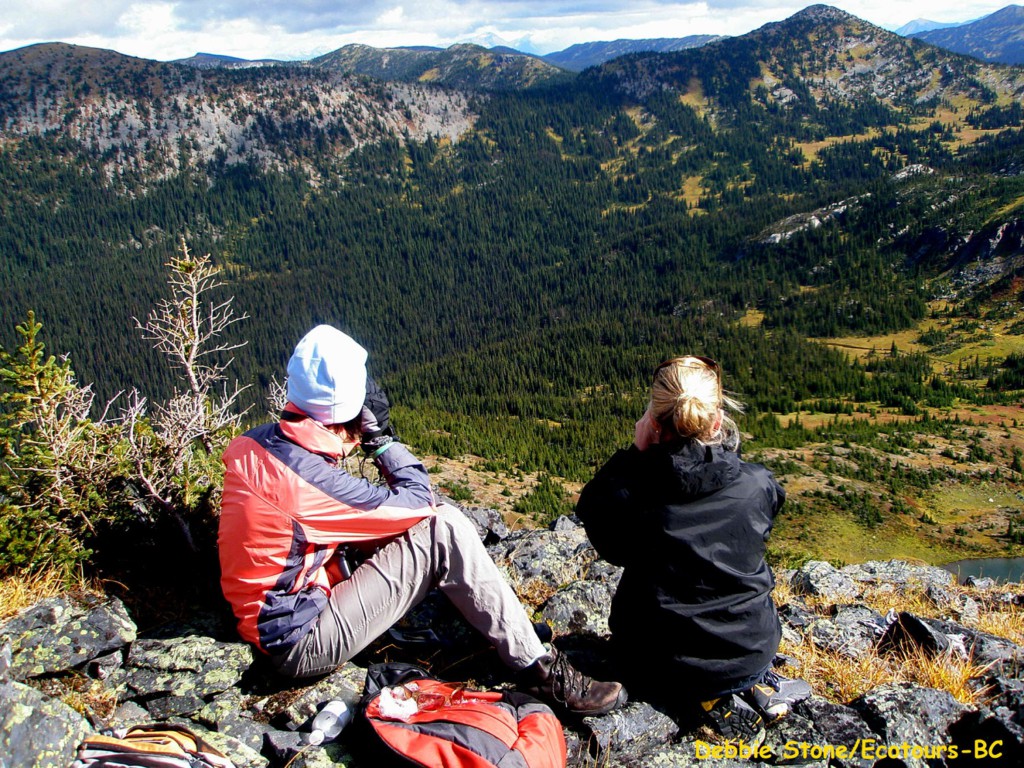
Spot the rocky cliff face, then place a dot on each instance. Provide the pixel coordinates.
(197, 673)
(154, 118)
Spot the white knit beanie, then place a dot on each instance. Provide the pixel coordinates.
(327, 375)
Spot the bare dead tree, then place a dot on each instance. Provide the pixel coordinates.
(200, 417)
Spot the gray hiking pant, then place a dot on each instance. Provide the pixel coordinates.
(442, 551)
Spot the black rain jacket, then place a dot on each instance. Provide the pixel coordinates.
(689, 523)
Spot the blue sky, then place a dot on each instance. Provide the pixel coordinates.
(300, 29)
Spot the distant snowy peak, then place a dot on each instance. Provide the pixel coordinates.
(918, 26)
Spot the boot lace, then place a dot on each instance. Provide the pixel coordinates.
(567, 681)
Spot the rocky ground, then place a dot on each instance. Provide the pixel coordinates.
(70, 666)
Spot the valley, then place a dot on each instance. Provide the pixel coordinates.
(832, 211)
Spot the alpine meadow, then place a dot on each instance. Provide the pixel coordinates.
(833, 212)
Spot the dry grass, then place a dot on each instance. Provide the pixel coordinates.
(20, 592)
(1003, 619)
(842, 678)
(90, 698)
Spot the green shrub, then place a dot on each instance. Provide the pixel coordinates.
(59, 468)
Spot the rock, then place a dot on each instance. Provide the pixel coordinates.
(899, 574)
(345, 683)
(905, 714)
(178, 677)
(553, 557)
(852, 631)
(820, 579)
(980, 582)
(233, 698)
(37, 731)
(982, 647)
(816, 722)
(963, 607)
(566, 523)
(62, 633)
(103, 667)
(909, 633)
(1003, 738)
(228, 714)
(580, 608)
(6, 659)
(488, 522)
(631, 731)
(1006, 700)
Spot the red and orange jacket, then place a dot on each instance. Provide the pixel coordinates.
(286, 508)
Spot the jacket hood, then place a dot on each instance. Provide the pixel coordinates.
(696, 469)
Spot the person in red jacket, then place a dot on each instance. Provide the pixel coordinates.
(288, 506)
(689, 521)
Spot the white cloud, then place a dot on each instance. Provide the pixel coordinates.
(295, 29)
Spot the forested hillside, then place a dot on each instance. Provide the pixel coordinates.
(518, 260)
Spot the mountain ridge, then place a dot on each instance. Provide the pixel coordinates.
(998, 37)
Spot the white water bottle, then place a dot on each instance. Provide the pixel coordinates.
(330, 721)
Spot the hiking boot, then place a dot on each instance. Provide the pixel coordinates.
(553, 679)
(735, 719)
(775, 695)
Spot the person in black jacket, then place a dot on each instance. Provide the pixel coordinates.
(689, 520)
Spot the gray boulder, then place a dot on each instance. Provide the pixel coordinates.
(851, 631)
(178, 676)
(555, 558)
(630, 732)
(905, 714)
(820, 579)
(816, 724)
(62, 633)
(489, 523)
(37, 731)
(580, 608)
(899, 575)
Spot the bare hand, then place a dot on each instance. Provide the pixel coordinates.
(647, 432)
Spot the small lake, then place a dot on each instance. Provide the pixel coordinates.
(1001, 569)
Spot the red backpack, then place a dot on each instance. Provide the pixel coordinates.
(445, 725)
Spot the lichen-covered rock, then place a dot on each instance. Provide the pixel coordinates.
(852, 631)
(566, 523)
(292, 750)
(556, 558)
(796, 620)
(982, 647)
(606, 573)
(346, 684)
(998, 734)
(489, 524)
(817, 722)
(821, 579)
(580, 608)
(6, 659)
(899, 575)
(178, 676)
(690, 752)
(228, 714)
(908, 633)
(962, 607)
(37, 731)
(62, 633)
(902, 713)
(631, 731)
(1006, 701)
